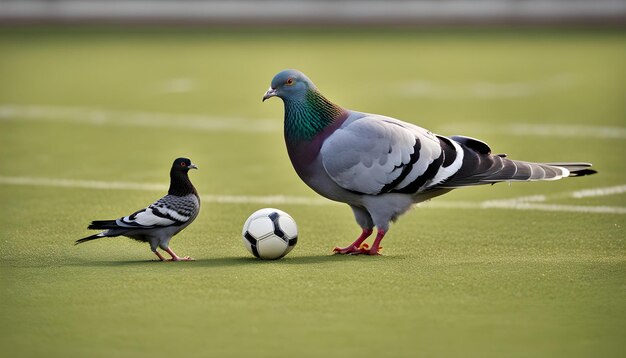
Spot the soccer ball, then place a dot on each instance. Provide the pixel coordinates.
(270, 234)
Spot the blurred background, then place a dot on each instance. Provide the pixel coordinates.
(492, 69)
(298, 12)
(97, 98)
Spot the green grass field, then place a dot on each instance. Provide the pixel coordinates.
(84, 108)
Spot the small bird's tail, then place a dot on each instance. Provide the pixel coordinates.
(89, 238)
(103, 225)
(100, 225)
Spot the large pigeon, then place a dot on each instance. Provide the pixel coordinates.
(381, 166)
(159, 222)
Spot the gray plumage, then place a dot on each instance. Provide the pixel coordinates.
(160, 221)
(381, 166)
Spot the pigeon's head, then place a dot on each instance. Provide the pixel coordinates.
(289, 84)
(183, 165)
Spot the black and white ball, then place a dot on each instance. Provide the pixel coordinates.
(270, 234)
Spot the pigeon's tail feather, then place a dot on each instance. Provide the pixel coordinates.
(515, 170)
(103, 225)
(89, 238)
(484, 168)
(575, 169)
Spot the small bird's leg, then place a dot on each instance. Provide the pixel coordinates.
(354, 248)
(176, 257)
(159, 255)
(376, 245)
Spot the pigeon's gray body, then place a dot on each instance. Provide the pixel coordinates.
(160, 221)
(384, 165)
(381, 166)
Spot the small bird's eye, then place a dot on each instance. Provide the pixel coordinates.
(183, 164)
(290, 82)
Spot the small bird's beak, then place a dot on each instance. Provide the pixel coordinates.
(193, 166)
(270, 93)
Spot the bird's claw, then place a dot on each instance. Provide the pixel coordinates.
(186, 258)
(344, 250)
(349, 250)
(364, 249)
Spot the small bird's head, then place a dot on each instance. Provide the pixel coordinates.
(289, 84)
(183, 165)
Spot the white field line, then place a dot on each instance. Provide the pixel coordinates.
(266, 200)
(178, 85)
(84, 184)
(512, 205)
(101, 116)
(569, 130)
(552, 130)
(523, 203)
(586, 193)
(486, 90)
(115, 185)
(98, 116)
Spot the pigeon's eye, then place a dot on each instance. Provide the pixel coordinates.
(183, 164)
(290, 82)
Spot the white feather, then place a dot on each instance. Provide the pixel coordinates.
(146, 219)
(445, 173)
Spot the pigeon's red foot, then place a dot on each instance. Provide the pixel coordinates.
(364, 249)
(355, 248)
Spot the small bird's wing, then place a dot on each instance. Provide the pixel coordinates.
(374, 154)
(168, 211)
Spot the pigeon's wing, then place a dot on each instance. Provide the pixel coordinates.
(168, 211)
(376, 154)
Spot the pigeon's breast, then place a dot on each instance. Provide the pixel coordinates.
(306, 160)
(304, 153)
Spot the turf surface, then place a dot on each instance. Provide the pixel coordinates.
(112, 105)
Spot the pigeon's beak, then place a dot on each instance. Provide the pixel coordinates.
(270, 93)
(193, 166)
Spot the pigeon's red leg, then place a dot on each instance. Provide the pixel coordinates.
(376, 245)
(355, 247)
(176, 258)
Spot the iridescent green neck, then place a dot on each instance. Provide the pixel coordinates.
(307, 116)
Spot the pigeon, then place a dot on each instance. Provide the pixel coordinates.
(160, 221)
(381, 166)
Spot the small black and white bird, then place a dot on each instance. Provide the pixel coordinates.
(159, 222)
(381, 166)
